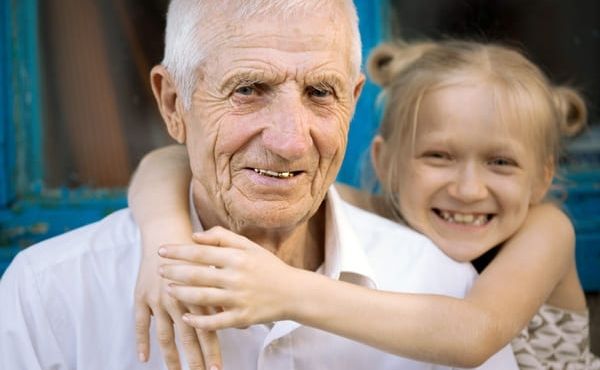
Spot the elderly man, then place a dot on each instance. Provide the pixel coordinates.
(261, 93)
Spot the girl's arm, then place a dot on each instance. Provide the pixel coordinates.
(257, 287)
(158, 198)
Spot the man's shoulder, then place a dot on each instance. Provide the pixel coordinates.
(69, 291)
(109, 235)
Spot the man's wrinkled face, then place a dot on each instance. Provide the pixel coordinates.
(267, 129)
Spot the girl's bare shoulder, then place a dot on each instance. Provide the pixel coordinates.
(355, 196)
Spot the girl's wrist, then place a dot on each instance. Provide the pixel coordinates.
(155, 236)
(299, 302)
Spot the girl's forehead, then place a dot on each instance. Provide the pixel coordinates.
(477, 111)
(506, 106)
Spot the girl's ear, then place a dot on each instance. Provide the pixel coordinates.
(378, 158)
(541, 188)
(169, 102)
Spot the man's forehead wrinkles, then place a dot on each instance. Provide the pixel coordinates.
(296, 39)
(271, 68)
(279, 75)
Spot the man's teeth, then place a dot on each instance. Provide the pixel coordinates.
(282, 175)
(464, 218)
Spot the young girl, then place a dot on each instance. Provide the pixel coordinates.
(466, 152)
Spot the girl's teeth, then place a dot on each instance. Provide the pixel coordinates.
(479, 221)
(461, 218)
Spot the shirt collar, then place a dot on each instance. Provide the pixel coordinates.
(345, 257)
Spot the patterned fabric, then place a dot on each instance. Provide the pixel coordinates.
(556, 339)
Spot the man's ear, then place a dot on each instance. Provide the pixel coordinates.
(377, 158)
(168, 101)
(541, 188)
(360, 83)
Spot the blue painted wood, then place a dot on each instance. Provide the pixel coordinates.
(7, 159)
(366, 117)
(35, 218)
(32, 220)
(587, 258)
(581, 201)
(26, 116)
(30, 213)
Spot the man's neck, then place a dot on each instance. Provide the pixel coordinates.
(305, 246)
(302, 246)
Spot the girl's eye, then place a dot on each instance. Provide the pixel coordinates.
(437, 155)
(503, 162)
(436, 158)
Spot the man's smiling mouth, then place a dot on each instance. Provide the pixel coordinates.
(280, 175)
(474, 219)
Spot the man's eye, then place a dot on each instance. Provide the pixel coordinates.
(319, 92)
(247, 90)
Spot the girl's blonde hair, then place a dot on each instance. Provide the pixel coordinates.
(407, 71)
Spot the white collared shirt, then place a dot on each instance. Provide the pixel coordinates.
(67, 303)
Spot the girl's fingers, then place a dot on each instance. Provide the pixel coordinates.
(201, 254)
(166, 340)
(221, 237)
(209, 341)
(191, 345)
(201, 296)
(193, 275)
(211, 350)
(142, 330)
(222, 320)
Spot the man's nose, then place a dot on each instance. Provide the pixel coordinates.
(288, 135)
(468, 185)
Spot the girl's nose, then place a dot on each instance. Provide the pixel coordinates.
(468, 186)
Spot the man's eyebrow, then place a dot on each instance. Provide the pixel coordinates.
(249, 76)
(333, 79)
(243, 76)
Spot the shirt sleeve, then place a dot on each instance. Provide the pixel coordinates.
(26, 337)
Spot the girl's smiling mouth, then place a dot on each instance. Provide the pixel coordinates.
(471, 219)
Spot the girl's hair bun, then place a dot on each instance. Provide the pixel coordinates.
(388, 59)
(572, 110)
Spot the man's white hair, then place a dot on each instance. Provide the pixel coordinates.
(189, 28)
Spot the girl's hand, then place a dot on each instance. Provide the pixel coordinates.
(249, 284)
(201, 348)
(162, 212)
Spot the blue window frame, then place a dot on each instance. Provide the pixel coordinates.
(29, 211)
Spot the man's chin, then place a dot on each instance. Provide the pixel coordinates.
(270, 216)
